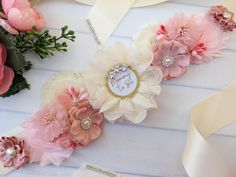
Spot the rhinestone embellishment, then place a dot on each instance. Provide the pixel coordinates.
(116, 69)
(167, 61)
(227, 15)
(11, 152)
(86, 123)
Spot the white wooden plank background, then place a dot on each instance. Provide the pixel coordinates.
(153, 148)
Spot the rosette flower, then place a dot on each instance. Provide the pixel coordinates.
(223, 17)
(19, 15)
(172, 58)
(6, 73)
(86, 126)
(13, 152)
(122, 84)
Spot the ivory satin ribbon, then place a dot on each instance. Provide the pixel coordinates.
(106, 15)
(200, 159)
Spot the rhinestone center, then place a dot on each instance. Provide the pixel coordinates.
(122, 81)
(167, 61)
(47, 119)
(227, 15)
(11, 152)
(86, 123)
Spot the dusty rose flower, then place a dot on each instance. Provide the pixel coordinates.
(20, 15)
(13, 152)
(172, 58)
(85, 125)
(223, 17)
(6, 73)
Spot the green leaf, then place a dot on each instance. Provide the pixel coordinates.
(15, 59)
(19, 83)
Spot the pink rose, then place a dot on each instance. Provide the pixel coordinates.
(20, 15)
(6, 73)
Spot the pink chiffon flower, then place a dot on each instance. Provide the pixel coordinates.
(42, 132)
(172, 58)
(44, 151)
(212, 41)
(20, 15)
(6, 73)
(13, 152)
(184, 29)
(49, 123)
(223, 17)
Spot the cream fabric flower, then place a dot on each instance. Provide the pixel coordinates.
(134, 89)
(145, 38)
(58, 83)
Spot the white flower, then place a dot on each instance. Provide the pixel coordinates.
(59, 82)
(145, 38)
(122, 84)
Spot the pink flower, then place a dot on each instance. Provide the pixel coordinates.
(20, 15)
(85, 122)
(13, 152)
(202, 37)
(223, 17)
(49, 123)
(6, 73)
(172, 58)
(212, 41)
(85, 125)
(43, 151)
(184, 29)
(43, 132)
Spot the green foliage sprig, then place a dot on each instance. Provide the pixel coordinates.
(43, 43)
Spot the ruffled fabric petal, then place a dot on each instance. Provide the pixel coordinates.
(7, 80)
(136, 116)
(143, 101)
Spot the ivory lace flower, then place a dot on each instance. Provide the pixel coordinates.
(172, 58)
(121, 83)
(13, 152)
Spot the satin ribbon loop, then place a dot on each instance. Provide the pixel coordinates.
(200, 159)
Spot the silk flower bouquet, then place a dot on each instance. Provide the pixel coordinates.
(22, 30)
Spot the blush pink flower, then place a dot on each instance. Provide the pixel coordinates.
(223, 17)
(49, 123)
(43, 132)
(172, 58)
(45, 152)
(20, 15)
(6, 73)
(184, 29)
(13, 152)
(212, 41)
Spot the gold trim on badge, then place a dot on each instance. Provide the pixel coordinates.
(132, 93)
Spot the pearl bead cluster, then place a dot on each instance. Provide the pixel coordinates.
(116, 69)
(167, 61)
(86, 123)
